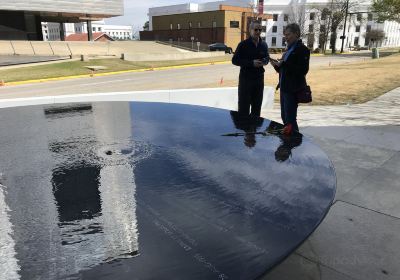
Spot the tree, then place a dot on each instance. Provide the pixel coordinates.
(387, 10)
(297, 14)
(374, 36)
(146, 26)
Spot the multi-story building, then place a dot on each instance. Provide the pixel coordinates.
(216, 22)
(22, 20)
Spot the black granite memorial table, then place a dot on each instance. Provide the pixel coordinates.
(120, 190)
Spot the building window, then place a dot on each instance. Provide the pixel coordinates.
(311, 28)
(368, 28)
(370, 17)
(178, 26)
(275, 17)
(214, 24)
(359, 17)
(170, 26)
(99, 28)
(285, 17)
(234, 24)
(273, 43)
(283, 42)
(264, 29)
(190, 25)
(312, 16)
(357, 28)
(94, 28)
(274, 29)
(199, 24)
(356, 41)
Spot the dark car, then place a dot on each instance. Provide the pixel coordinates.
(220, 47)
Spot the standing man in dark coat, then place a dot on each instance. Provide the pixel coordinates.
(251, 55)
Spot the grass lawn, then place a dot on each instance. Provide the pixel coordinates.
(356, 82)
(71, 68)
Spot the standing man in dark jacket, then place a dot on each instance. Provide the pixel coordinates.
(251, 55)
(292, 69)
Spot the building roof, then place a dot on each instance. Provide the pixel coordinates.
(84, 36)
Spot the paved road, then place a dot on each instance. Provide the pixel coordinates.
(190, 77)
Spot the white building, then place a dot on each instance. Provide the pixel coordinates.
(51, 30)
(309, 14)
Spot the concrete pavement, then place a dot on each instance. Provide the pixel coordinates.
(359, 237)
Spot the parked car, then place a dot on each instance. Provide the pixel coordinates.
(219, 47)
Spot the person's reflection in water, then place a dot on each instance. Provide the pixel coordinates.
(288, 142)
(249, 124)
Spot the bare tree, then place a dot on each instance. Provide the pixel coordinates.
(297, 14)
(374, 36)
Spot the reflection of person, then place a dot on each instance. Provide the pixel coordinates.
(292, 68)
(249, 125)
(288, 142)
(251, 55)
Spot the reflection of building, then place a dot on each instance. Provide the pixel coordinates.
(83, 212)
(21, 20)
(221, 21)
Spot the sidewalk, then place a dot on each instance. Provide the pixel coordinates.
(359, 238)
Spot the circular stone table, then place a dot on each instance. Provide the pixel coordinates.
(120, 190)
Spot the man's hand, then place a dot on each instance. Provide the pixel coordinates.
(275, 63)
(257, 63)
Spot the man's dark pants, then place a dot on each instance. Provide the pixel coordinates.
(289, 109)
(250, 94)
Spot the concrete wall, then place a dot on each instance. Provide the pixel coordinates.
(171, 56)
(60, 48)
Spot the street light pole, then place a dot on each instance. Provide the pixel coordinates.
(344, 27)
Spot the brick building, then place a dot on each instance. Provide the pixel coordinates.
(222, 23)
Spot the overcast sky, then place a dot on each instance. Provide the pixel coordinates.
(136, 10)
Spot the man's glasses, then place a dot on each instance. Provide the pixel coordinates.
(257, 29)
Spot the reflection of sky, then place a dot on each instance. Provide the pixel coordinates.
(8, 263)
(298, 189)
(79, 204)
(154, 181)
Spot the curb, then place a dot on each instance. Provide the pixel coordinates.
(111, 73)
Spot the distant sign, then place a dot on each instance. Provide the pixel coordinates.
(198, 44)
(192, 38)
